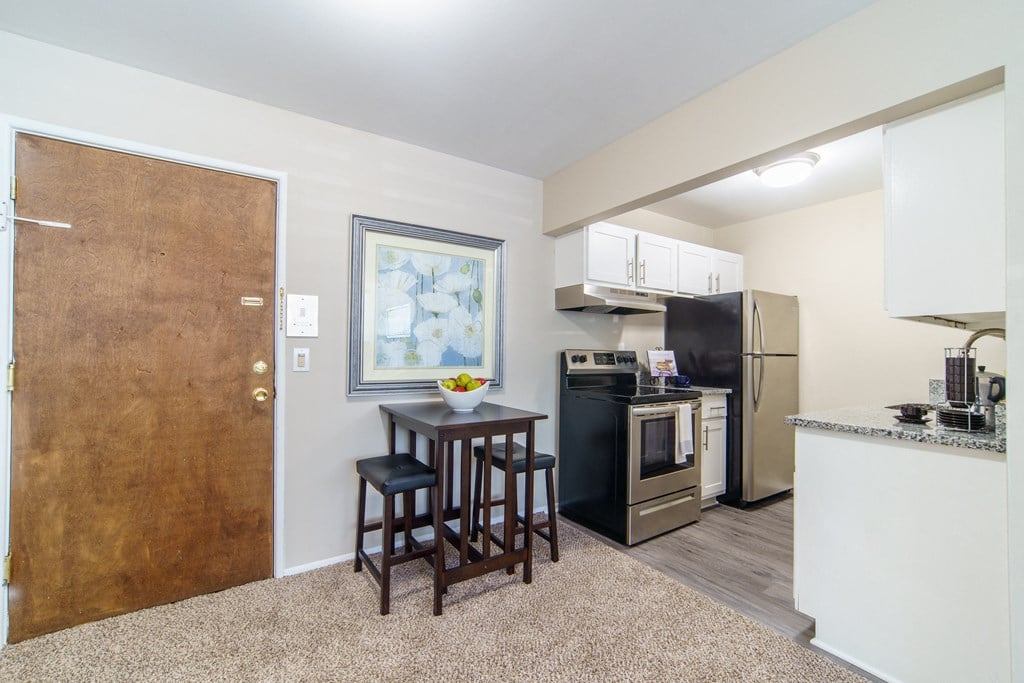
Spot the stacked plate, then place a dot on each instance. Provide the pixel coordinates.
(960, 418)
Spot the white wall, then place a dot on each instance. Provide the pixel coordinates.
(333, 172)
(851, 353)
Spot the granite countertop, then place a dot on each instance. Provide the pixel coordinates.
(711, 390)
(881, 422)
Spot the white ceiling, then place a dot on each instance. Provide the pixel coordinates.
(848, 166)
(528, 86)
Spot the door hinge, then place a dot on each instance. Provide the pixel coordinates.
(14, 187)
(5, 572)
(10, 376)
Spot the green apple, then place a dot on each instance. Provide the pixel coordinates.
(463, 379)
(449, 384)
(472, 384)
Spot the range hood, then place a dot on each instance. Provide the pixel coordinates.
(597, 299)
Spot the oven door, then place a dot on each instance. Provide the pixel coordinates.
(659, 463)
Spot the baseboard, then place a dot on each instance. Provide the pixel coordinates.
(816, 642)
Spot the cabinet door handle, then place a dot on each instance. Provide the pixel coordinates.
(643, 272)
(629, 270)
(718, 283)
(705, 437)
(709, 283)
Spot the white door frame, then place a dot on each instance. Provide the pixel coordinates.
(9, 127)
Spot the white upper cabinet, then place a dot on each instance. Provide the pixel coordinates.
(727, 269)
(656, 262)
(695, 276)
(610, 254)
(616, 256)
(945, 229)
(703, 270)
(620, 256)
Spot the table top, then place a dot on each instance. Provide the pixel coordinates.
(434, 418)
(436, 414)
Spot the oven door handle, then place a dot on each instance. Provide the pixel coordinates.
(667, 410)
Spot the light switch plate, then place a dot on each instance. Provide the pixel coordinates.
(300, 360)
(302, 315)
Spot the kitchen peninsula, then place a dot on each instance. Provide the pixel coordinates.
(900, 545)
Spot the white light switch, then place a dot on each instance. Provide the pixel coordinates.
(302, 315)
(300, 360)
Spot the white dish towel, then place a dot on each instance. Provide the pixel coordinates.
(685, 433)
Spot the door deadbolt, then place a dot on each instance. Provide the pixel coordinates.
(260, 367)
(260, 394)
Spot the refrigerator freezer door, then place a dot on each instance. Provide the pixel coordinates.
(768, 442)
(705, 334)
(771, 323)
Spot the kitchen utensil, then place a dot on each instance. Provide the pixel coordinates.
(991, 387)
(914, 411)
(960, 376)
(912, 420)
(962, 419)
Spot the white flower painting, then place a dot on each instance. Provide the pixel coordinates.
(429, 309)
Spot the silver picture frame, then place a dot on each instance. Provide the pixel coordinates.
(422, 301)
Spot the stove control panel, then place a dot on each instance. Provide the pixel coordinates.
(597, 360)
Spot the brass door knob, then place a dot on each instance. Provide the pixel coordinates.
(260, 394)
(260, 367)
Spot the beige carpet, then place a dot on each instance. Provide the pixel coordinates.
(596, 615)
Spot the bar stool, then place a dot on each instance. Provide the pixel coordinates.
(541, 461)
(392, 475)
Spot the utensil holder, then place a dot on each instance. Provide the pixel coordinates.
(960, 371)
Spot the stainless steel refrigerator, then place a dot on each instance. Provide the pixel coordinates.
(748, 342)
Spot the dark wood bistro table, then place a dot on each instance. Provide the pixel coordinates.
(443, 428)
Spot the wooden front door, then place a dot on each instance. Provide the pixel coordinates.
(142, 464)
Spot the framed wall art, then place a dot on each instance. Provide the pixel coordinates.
(426, 304)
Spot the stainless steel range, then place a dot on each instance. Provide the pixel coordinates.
(628, 462)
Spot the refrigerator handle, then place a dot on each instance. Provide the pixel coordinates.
(760, 328)
(760, 382)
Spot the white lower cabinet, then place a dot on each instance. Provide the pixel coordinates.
(712, 473)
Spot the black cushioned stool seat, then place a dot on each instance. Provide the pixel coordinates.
(541, 461)
(391, 475)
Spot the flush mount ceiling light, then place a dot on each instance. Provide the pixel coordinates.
(789, 171)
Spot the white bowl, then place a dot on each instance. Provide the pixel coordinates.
(463, 401)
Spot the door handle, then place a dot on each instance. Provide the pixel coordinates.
(760, 329)
(760, 382)
(718, 283)
(260, 394)
(643, 272)
(705, 437)
(629, 270)
(709, 283)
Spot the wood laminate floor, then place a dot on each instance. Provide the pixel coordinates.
(741, 558)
